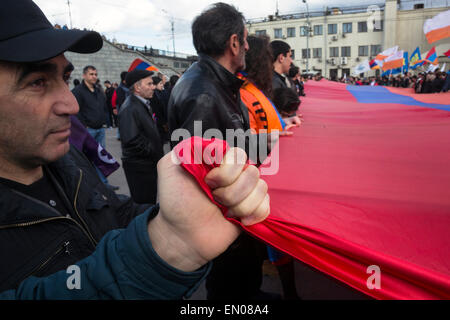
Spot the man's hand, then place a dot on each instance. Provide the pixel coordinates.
(295, 120)
(286, 131)
(190, 230)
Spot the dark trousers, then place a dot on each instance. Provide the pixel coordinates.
(142, 180)
(237, 273)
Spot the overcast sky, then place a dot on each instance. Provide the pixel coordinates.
(147, 22)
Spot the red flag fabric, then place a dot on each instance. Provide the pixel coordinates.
(362, 188)
(447, 53)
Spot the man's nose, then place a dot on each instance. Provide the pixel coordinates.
(65, 103)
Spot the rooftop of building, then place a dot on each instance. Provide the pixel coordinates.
(343, 10)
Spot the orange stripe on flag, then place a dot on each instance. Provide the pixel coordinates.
(438, 34)
(394, 64)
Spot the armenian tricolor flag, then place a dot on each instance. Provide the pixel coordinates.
(142, 65)
(432, 56)
(374, 64)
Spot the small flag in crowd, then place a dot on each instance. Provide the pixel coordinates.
(447, 53)
(416, 59)
(438, 27)
(394, 61)
(386, 73)
(405, 62)
(396, 71)
(375, 64)
(432, 67)
(362, 67)
(84, 142)
(432, 56)
(387, 53)
(140, 64)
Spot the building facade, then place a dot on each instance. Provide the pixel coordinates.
(335, 40)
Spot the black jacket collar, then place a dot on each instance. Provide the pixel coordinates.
(221, 74)
(16, 207)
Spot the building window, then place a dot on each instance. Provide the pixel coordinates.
(378, 26)
(332, 28)
(317, 52)
(318, 30)
(304, 55)
(260, 33)
(293, 54)
(347, 27)
(418, 6)
(375, 49)
(346, 52)
(362, 26)
(363, 51)
(290, 32)
(185, 65)
(303, 31)
(278, 33)
(334, 52)
(176, 64)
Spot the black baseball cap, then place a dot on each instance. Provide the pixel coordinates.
(136, 75)
(26, 35)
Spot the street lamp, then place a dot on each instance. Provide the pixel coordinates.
(172, 22)
(307, 36)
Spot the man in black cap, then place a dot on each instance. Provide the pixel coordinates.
(141, 144)
(56, 215)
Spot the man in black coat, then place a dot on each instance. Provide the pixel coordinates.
(207, 97)
(109, 91)
(141, 143)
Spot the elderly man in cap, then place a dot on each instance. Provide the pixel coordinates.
(63, 234)
(141, 144)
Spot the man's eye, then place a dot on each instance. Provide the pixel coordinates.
(66, 78)
(39, 83)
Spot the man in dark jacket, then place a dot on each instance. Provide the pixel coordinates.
(282, 60)
(92, 102)
(209, 92)
(93, 110)
(141, 143)
(57, 219)
(109, 92)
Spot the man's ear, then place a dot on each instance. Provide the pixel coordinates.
(234, 44)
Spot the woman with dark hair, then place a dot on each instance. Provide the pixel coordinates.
(286, 100)
(257, 89)
(263, 114)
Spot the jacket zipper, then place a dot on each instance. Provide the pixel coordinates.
(78, 214)
(31, 223)
(43, 264)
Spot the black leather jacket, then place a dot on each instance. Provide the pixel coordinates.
(209, 93)
(139, 133)
(37, 240)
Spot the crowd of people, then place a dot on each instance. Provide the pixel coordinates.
(423, 82)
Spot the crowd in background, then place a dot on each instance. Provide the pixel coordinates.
(423, 82)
